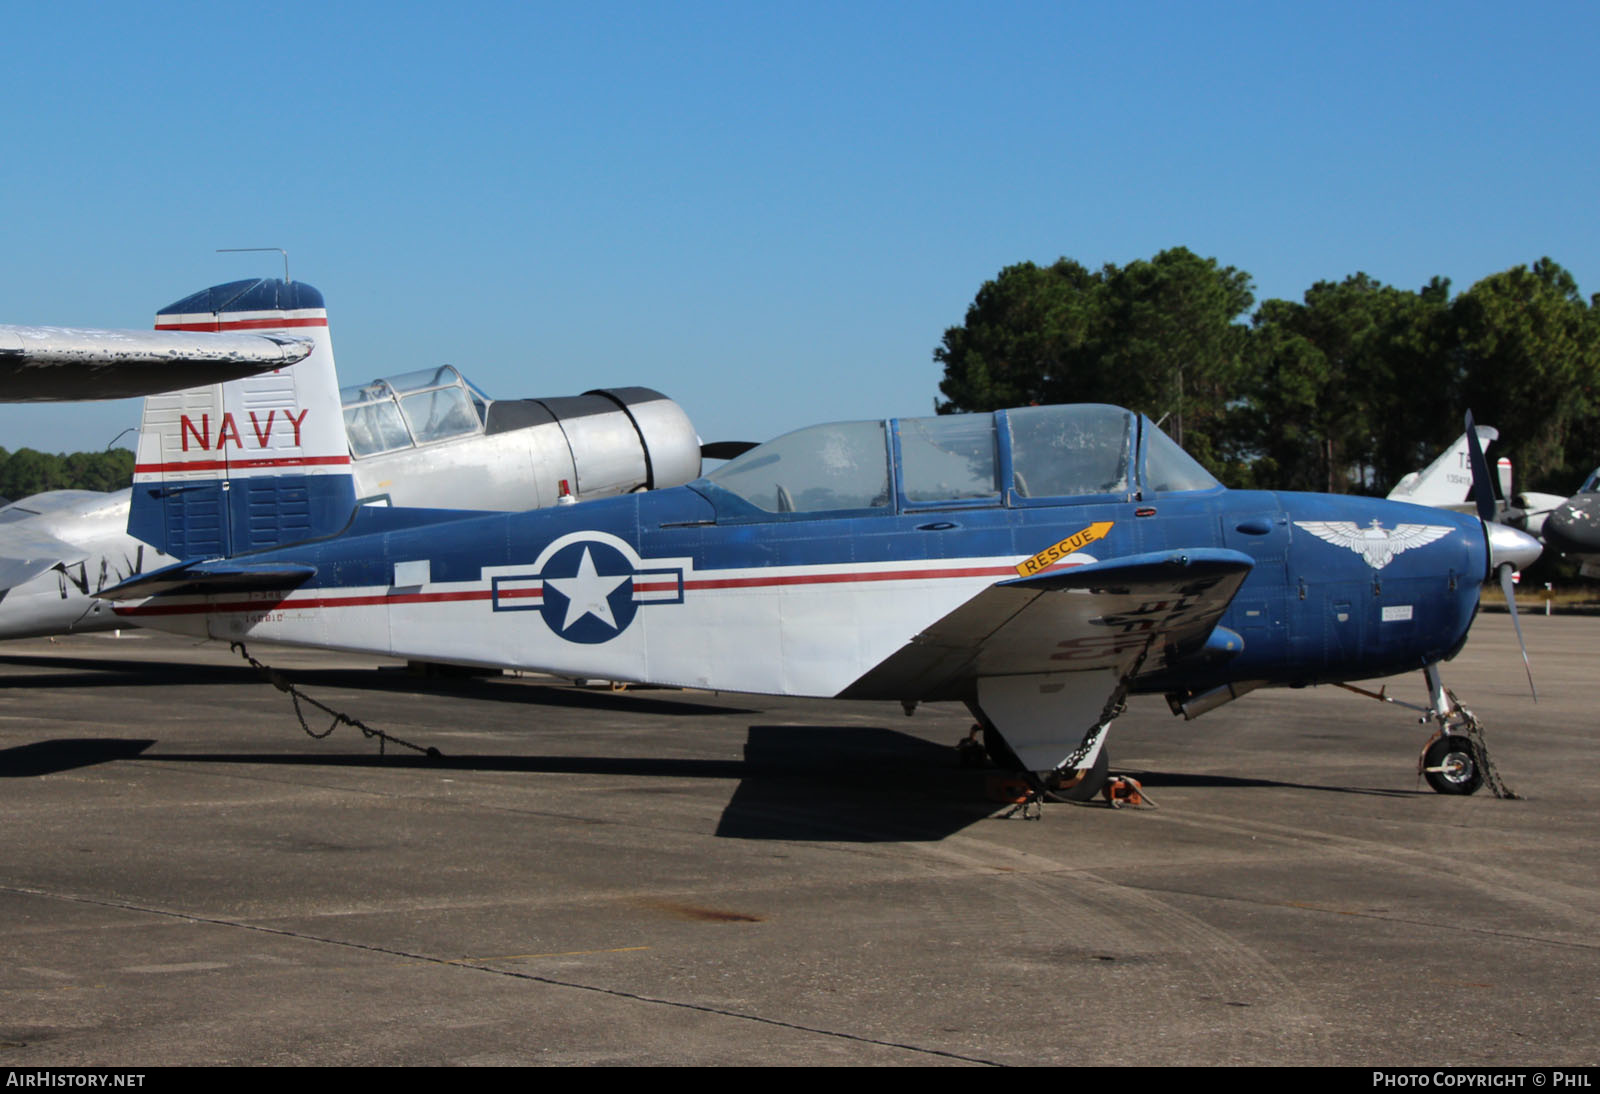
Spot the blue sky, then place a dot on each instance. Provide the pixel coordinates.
(770, 212)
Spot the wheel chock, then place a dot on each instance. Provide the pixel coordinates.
(1120, 790)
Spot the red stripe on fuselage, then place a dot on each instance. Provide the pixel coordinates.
(836, 578)
(241, 464)
(485, 594)
(246, 324)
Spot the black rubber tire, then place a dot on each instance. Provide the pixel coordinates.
(1464, 766)
(1093, 781)
(1085, 789)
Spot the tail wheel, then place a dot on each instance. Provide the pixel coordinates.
(1452, 765)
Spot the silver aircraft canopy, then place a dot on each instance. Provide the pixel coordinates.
(416, 408)
(435, 437)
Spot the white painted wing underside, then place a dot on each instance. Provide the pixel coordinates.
(1079, 619)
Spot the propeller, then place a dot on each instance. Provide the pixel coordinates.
(1515, 508)
(1509, 549)
(1482, 487)
(725, 450)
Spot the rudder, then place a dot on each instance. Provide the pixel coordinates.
(254, 463)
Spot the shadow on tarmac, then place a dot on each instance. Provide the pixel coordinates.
(88, 672)
(50, 757)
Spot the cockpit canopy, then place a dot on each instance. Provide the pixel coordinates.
(417, 408)
(1030, 456)
(1591, 485)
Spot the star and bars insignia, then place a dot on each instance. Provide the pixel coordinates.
(587, 587)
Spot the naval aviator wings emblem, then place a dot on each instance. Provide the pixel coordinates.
(1375, 544)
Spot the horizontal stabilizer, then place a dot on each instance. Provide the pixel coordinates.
(45, 364)
(1098, 616)
(209, 578)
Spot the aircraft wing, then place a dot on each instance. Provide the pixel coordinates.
(25, 555)
(1096, 617)
(47, 364)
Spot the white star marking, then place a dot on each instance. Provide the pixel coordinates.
(586, 593)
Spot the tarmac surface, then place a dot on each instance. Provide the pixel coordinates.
(670, 877)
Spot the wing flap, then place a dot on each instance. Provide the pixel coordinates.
(1099, 616)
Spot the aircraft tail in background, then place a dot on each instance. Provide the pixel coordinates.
(1446, 483)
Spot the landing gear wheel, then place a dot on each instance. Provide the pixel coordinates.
(1059, 788)
(1048, 783)
(1459, 767)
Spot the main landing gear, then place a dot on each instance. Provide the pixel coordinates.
(1027, 722)
(1067, 783)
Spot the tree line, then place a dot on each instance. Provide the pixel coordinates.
(25, 471)
(1345, 390)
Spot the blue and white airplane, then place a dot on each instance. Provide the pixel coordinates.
(1038, 564)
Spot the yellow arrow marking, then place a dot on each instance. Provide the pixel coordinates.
(1055, 553)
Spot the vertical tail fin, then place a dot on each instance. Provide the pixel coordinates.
(1447, 481)
(252, 463)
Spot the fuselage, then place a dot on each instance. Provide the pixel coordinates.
(1573, 527)
(691, 586)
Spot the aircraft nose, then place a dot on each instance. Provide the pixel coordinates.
(1574, 526)
(1510, 547)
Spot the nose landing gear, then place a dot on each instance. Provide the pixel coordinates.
(1455, 760)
